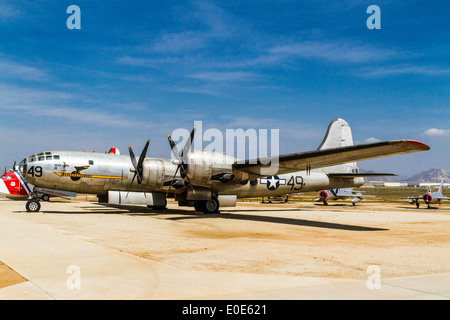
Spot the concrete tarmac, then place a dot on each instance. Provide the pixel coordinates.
(83, 250)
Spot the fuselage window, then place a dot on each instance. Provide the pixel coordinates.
(55, 157)
(48, 158)
(41, 158)
(91, 162)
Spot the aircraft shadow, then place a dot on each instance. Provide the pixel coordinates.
(225, 214)
(280, 220)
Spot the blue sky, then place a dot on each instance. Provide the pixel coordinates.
(141, 69)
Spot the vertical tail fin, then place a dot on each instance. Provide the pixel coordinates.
(338, 135)
(440, 186)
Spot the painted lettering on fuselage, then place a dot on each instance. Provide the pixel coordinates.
(272, 183)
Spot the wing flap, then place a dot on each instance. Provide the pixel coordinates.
(327, 157)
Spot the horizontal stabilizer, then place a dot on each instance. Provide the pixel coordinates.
(356, 175)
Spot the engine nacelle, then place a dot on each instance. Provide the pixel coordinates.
(428, 198)
(323, 195)
(156, 171)
(202, 165)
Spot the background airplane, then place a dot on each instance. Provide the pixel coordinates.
(12, 187)
(430, 197)
(204, 179)
(342, 193)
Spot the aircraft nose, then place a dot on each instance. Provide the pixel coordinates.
(427, 198)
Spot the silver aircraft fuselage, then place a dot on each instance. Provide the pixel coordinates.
(98, 173)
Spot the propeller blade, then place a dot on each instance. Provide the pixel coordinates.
(188, 143)
(182, 158)
(138, 165)
(174, 148)
(140, 169)
(133, 158)
(132, 180)
(173, 179)
(143, 154)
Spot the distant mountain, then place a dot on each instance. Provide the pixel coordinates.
(432, 175)
(382, 178)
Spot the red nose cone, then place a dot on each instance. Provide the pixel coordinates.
(323, 195)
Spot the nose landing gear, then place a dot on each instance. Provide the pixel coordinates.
(33, 205)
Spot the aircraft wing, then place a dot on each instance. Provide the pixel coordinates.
(327, 157)
(420, 197)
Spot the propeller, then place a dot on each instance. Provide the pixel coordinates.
(182, 164)
(138, 169)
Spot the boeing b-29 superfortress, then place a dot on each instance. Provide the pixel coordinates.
(205, 179)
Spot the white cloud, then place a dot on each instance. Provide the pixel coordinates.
(405, 70)
(100, 118)
(223, 76)
(437, 132)
(13, 70)
(372, 140)
(335, 51)
(180, 42)
(7, 12)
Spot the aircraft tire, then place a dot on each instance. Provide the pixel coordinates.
(45, 197)
(33, 205)
(199, 206)
(211, 206)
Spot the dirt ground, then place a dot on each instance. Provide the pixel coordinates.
(8, 277)
(303, 239)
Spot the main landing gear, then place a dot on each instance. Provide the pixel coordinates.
(207, 206)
